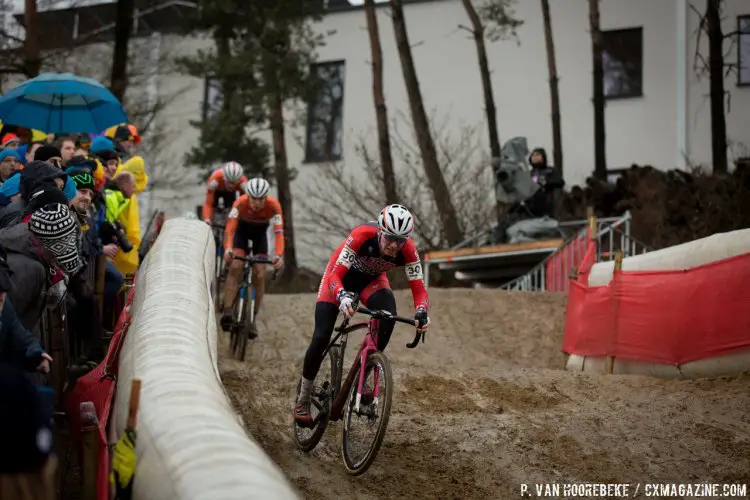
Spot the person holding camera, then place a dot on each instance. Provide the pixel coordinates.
(117, 198)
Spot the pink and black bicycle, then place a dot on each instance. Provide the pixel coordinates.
(366, 402)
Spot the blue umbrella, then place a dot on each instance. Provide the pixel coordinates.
(61, 102)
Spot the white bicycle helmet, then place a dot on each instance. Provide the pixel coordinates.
(232, 171)
(257, 187)
(396, 220)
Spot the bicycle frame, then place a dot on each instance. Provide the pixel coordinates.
(369, 344)
(247, 282)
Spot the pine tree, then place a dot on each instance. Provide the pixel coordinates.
(261, 61)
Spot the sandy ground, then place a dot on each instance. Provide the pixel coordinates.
(484, 406)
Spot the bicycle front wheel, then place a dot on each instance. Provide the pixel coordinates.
(372, 414)
(218, 284)
(323, 393)
(238, 314)
(248, 320)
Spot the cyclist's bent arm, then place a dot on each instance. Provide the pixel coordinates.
(242, 183)
(415, 276)
(278, 229)
(208, 205)
(231, 225)
(346, 258)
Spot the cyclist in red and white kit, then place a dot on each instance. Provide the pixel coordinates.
(358, 265)
(227, 183)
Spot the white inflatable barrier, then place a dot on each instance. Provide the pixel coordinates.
(191, 444)
(685, 256)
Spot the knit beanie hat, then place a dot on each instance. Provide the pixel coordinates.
(44, 153)
(82, 179)
(25, 424)
(10, 152)
(55, 227)
(102, 144)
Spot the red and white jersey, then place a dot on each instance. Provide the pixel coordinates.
(357, 261)
(218, 184)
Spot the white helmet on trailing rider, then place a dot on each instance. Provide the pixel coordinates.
(232, 171)
(396, 221)
(257, 187)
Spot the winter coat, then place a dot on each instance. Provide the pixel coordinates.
(18, 346)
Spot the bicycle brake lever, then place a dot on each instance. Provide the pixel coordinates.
(415, 342)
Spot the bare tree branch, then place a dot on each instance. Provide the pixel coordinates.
(336, 199)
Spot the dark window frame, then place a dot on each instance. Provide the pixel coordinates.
(310, 155)
(638, 90)
(740, 36)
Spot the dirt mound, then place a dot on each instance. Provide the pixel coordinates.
(668, 207)
(484, 406)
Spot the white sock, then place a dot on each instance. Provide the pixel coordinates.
(305, 390)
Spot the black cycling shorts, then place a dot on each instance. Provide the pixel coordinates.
(255, 233)
(229, 198)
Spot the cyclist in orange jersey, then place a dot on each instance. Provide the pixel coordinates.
(225, 183)
(248, 222)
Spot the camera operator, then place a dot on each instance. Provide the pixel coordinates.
(548, 179)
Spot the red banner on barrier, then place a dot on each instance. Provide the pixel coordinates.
(671, 317)
(561, 264)
(98, 386)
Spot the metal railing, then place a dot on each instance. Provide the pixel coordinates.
(552, 274)
(565, 228)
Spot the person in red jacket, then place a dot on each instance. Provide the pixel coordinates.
(226, 183)
(248, 222)
(358, 265)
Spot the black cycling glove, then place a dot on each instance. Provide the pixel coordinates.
(421, 317)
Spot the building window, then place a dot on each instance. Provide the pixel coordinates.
(212, 98)
(622, 54)
(325, 114)
(743, 50)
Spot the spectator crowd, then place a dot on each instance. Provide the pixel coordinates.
(68, 213)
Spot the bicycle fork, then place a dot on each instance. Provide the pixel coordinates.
(363, 372)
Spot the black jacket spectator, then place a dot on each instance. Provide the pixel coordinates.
(25, 429)
(36, 177)
(549, 179)
(18, 346)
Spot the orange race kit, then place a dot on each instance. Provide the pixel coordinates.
(243, 215)
(217, 184)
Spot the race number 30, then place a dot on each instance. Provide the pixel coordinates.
(414, 271)
(347, 257)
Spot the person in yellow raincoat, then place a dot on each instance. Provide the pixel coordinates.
(129, 216)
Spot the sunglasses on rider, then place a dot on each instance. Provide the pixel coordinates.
(398, 239)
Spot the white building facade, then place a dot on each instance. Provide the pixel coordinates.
(658, 112)
(659, 116)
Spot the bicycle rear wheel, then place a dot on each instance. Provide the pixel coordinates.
(323, 394)
(375, 413)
